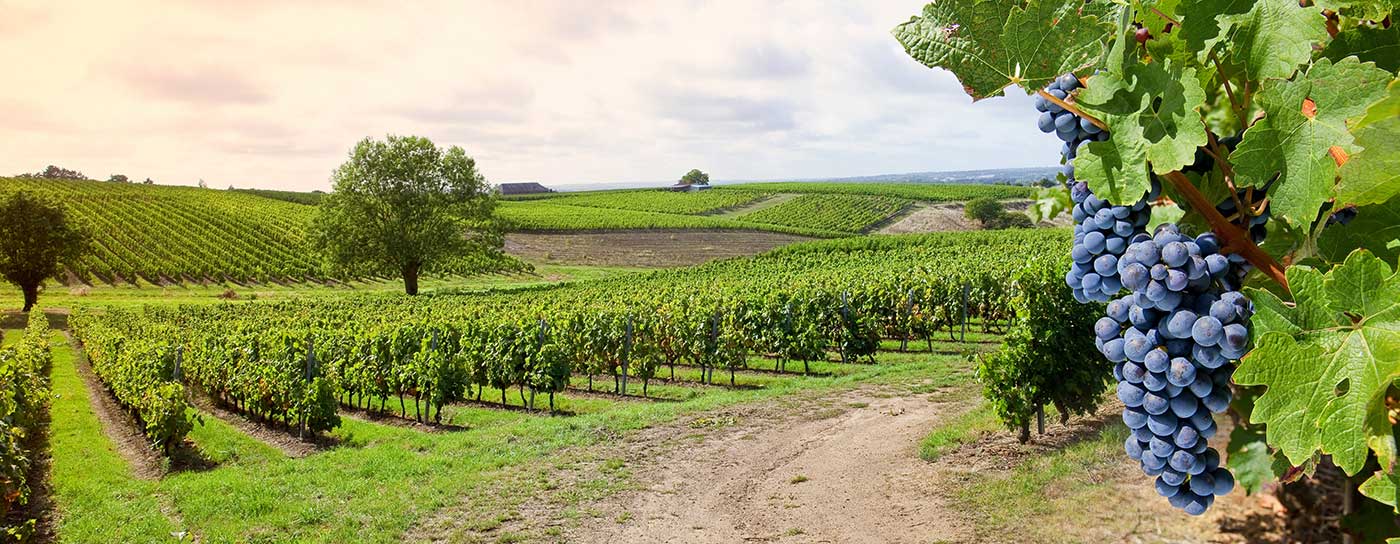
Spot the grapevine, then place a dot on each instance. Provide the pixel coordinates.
(1270, 129)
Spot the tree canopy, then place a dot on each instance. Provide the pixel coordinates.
(404, 206)
(37, 238)
(695, 177)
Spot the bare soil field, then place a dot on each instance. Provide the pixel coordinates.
(643, 248)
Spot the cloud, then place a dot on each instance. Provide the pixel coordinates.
(193, 84)
(704, 112)
(768, 60)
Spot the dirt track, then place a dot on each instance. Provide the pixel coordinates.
(852, 477)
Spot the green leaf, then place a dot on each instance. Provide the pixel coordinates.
(1383, 487)
(1273, 38)
(1371, 10)
(1153, 112)
(1115, 169)
(1201, 21)
(1291, 144)
(1368, 43)
(989, 45)
(1375, 229)
(1373, 175)
(1249, 458)
(1327, 361)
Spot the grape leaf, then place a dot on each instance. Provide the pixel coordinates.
(1200, 21)
(1327, 361)
(1296, 144)
(1373, 175)
(989, 45)
(1249, 458)
(1376, 229)
(1383, 487)
(1115, 169)
(1372, 10)
(1370, 44)
(1273, 38)
(1157, 107)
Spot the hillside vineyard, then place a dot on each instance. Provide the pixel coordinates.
(296, 362)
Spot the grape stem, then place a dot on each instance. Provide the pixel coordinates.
(1236, 239)
(1072, 109)
(1213, 149)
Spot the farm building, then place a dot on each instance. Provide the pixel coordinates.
(682, 187)
(523, 188)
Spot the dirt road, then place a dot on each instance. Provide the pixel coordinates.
(852, 477)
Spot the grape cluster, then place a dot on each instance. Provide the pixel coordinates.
(1172, 339)
(1072, 129)
(1173, 336)
(1101, 229)
(1102, 233)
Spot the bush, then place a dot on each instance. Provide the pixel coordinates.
(1012, 221)
(1048, 357)
(984, 210)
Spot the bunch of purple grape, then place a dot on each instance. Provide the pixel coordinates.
(1173, 336)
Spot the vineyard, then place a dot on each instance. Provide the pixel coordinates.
(833, 212)
(293, 364)
(663, 201)
(174, 234)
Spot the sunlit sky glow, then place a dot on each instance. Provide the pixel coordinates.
(272, 94)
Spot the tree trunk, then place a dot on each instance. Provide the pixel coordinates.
(31, 295)
(1040, 419)
(1025, 435)
(410, 278)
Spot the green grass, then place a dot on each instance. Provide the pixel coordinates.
(98, 498)
(964, 429)
(383, 479)
(1046, 493)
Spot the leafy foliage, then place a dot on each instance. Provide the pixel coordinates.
(990, 45)
(695, 177)
(1048, 356)
(403, 206)
(37, 239)
(840, 213)
(1328, 361)
(1220, 101)
(24, 395)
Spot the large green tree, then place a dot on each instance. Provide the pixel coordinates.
(37, 238)
(695, 177)
(404, 206)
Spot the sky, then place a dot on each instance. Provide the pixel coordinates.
(273, 94)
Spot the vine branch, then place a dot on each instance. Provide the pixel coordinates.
(1072, 109)
(1236, 239)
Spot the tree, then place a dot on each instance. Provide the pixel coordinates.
(55, 172)
(149, 181)
(984, 210)
(119, 178)
(37, 238)
(404, 206)
(695, 177)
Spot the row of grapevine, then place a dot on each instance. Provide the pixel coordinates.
(663, 201)
(293, 362)
(927, 192)
(24, 396)
(554, 215)
(140, 372)
(843, 213)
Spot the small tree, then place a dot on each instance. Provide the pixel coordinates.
(695, 177)
(149, 181)
(37, 238)
(984, 210)
(405, 206)
(1048, 357)
(119, 178)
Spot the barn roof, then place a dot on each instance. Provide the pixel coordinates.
(523, 188)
